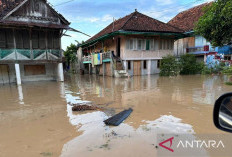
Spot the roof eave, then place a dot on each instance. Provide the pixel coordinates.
(177, 35)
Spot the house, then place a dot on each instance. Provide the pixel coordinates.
(30, 41)
(193, 43)
(132, 45)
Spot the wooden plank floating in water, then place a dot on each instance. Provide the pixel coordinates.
(84, 108)
(118, 118)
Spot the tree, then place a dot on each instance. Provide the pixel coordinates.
(215, 25)
(70, 54)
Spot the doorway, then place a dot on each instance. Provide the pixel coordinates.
(118, 47)
(4, 74)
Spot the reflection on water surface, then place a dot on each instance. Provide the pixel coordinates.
(36, 120)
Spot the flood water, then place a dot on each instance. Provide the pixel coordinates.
(37, 120)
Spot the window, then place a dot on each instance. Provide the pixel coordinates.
(129, 65)
(148, 45)
(42, 42)
(158, 63)
(131, 44)
(145, 64)
(35, 39)
(22, 39)
(26, 39)
(152, 44)
(141, 44)
(166, 44)
(161, 44)
(19, 39)
(156, 45)
(50, 39)
(2, 38)
(9, 39)
(56, 40)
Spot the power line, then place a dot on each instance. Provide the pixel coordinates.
(179, 8)
(63, 3)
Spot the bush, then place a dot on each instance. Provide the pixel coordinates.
(189, 65)
(227, 70)
(169, 66)
(229, 83)
(206, 71)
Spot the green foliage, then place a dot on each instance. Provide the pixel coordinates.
(206, 71)
(189, 65)
(169, 66)
(70, 53)
(229, 83)
(215, 24)
(227, 70)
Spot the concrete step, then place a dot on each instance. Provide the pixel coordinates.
(121, 73)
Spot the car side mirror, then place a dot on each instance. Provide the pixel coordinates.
(223, 112)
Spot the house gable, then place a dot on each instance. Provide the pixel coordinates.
(35, 12)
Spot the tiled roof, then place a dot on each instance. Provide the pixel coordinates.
(137, 22)
(187, 19)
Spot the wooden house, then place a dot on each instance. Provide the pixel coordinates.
(132, 45)
(30, 41)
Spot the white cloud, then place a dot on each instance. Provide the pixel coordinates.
(164, 2)
(92, 19)
(107, 18)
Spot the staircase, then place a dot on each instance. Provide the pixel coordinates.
(121, 73)
(119, 70)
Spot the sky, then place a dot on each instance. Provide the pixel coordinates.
(91, 16)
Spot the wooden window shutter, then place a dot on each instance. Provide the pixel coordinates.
(26, 39)
(35, 39)
(9, 39)
(148, 44)
(56, 41)
(50, 39)
(42, 42)
(2, 38)
(19, 39)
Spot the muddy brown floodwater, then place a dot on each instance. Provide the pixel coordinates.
(36, 120)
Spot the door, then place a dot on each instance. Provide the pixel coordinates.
(4, 74)
(118, 47)
(137, 68)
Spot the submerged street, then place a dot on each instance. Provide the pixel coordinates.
(37, 120)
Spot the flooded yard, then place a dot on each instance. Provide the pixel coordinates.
(37, 120)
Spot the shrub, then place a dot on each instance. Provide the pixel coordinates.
(169, 66)
(229, 83)
(227, 70)
(189, 65)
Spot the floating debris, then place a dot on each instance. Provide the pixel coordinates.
(84, 108)
(118, 118)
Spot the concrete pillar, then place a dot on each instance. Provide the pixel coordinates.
(20, 91)
(104, 68)
(60, 75)
(18, 75)
(149, 67)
